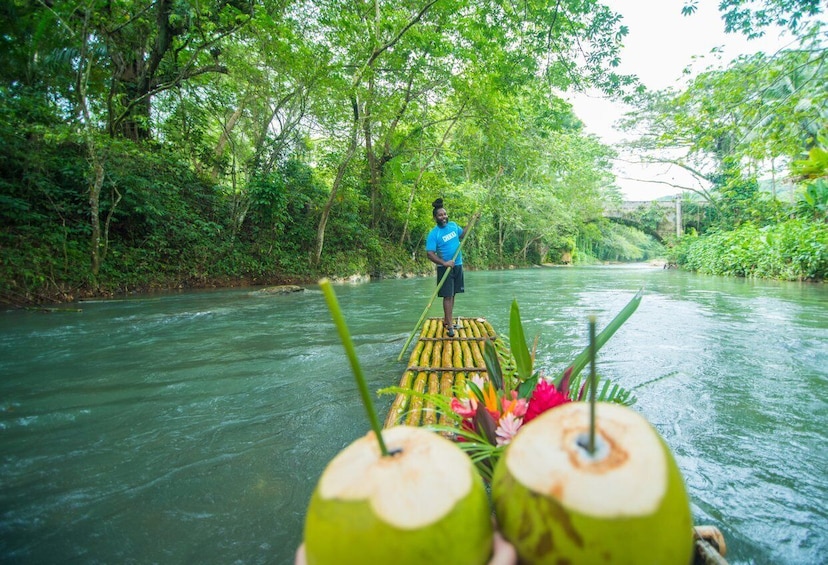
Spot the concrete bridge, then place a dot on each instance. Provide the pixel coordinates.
(665, 215)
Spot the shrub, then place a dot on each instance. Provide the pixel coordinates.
(796, 249)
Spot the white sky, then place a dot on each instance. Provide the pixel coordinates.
(661, 43)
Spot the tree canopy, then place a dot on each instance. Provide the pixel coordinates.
(158, 142)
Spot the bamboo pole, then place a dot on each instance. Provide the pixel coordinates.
(448, 352)
(429, 416)
(446, 390)
(460, 382)
(477, 354)
(415, 355)
(468, 359)
(400, 403)
(415, 410)
(425, 357)
(429, 410)
(475, 329)
(456, 355)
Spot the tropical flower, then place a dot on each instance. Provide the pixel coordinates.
(466, 407)
(492, 410)
(507, 427)
(544, 397)
(514, 405)
(497, 414)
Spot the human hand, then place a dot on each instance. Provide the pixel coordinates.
(449, 263)
(503, 552)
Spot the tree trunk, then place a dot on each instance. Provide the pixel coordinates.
(340, 174)
(94, 210)
(225, 137)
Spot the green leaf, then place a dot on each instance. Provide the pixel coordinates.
(493, 365)
(476, 390)
(517, 341)
(582, 359)
(485, 424)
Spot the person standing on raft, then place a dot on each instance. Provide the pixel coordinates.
(442, 243)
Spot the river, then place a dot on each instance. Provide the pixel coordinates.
(192, 427)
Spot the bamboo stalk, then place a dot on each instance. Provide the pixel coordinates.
(477, 354)
(468, 359)
(446, 388)
(427, 327)
(415, 355)
(478, 329)
(437, 355)
(425, 357)
(416, 407)
(428, 417)
(457, 355)
(448, 352)
(460, 381)
(400, 403)
(429, 410)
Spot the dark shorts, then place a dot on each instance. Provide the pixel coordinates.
(454, 282)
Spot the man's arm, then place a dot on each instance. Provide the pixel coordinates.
(434, 258)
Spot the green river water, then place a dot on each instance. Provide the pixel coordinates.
(192, 427)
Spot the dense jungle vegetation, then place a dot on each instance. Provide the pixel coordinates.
(172, 143)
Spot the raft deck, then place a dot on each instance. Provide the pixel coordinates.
(440, 364)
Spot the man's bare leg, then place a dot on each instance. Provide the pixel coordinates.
(448, 308)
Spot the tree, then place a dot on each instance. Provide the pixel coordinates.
(756, 115)
(740, 16)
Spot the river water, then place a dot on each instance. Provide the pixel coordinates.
(191, 428)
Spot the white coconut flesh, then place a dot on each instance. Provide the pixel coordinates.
(418, 485)
(625, 477)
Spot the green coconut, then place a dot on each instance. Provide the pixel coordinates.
(625, 503)
(424, 503)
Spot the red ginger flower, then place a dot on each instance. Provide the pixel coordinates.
(544, 397)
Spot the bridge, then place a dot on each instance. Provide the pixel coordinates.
(659, 218)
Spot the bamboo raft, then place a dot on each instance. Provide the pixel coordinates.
(440, 365)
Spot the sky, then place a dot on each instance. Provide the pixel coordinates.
(661, 43)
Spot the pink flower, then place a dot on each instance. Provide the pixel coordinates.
(515, 405)
(507, 428)
(544, 397)
(465, 408)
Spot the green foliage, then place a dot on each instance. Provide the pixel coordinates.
(795, 249)
(813, 172)
(234, 142)
(607, 241)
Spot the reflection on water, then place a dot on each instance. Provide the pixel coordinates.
(193, 427)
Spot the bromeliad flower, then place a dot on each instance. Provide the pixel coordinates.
(544, 397)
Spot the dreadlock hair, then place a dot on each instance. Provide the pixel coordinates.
(437, 204)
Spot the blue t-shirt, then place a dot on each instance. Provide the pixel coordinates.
(445, 241)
